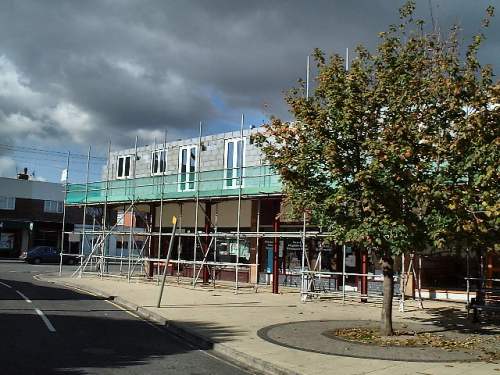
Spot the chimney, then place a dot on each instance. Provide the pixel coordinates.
(24, 175)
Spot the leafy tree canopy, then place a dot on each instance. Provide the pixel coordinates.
(401, 150)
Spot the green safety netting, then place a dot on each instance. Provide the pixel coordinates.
(217, 183)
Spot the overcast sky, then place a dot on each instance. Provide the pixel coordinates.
(74, 73)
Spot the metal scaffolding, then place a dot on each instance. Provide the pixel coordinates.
(314, 281)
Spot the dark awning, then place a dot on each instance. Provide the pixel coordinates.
(6, 225)
(13, 225)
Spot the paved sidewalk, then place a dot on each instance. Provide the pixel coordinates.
(231, 322)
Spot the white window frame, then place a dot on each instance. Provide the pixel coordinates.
(124, 158)
(235, 181)
(186, 183)
(159, 152)
(120, 218)
(7, 203)
(54, 207)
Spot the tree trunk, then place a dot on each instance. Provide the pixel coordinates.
(388, 272)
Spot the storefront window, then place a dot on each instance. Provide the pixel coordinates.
(7, 241)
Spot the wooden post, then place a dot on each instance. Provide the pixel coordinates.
(206, 242)
(364, 278)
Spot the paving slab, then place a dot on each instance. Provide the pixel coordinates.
(318, 336)
(232, 322)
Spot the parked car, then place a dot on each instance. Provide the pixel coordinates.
(46, 254)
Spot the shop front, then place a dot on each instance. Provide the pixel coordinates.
(13, 235)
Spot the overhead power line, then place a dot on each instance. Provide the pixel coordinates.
(49, 152)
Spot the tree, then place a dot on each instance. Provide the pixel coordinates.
(467, 197)
(372, 152)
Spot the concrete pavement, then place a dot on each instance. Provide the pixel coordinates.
(231, 321)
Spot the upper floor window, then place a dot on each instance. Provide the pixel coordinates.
(53, 206)
(158, 162)
(234, 157)
(123, 170)
(7, 203)
(187, 167)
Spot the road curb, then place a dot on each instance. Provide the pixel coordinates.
(192, 337)
(199, 340)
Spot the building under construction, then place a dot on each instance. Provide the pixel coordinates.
(232, 225)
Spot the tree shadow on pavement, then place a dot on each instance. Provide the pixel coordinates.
(456, 319)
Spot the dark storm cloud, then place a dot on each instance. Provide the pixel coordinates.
(130, 101)
(89, 70)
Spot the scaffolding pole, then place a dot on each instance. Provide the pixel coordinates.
(204, 261)
(240, 182)
(467, 280)
(420, 301)
(167, 259)
(122, 234)
(131, 241)
(257, 243)
(79, 269)
(93, 237)
(150, 222)
(416, 279)
(307, 76)
(64, 214)
(160, 228)
(214, 273)
(197, 182)
(179, 244)
(343, 274)
(130, 236)
(402, 284)
(234, 234)
(85, 209)
(303, 293)
(152, 208)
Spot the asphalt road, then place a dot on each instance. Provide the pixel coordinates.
(46, 329)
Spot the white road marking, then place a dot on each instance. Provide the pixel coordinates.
(24, 297)
(45, 320)
(7, 285)
(158, 328)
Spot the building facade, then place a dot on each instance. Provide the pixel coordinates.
(31, 214)
(233, 224)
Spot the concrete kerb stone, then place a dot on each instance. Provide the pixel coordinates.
(127, 305)
(252, 362)
(151, 315)
(93, 291)
(190, 336)
(194, 338)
